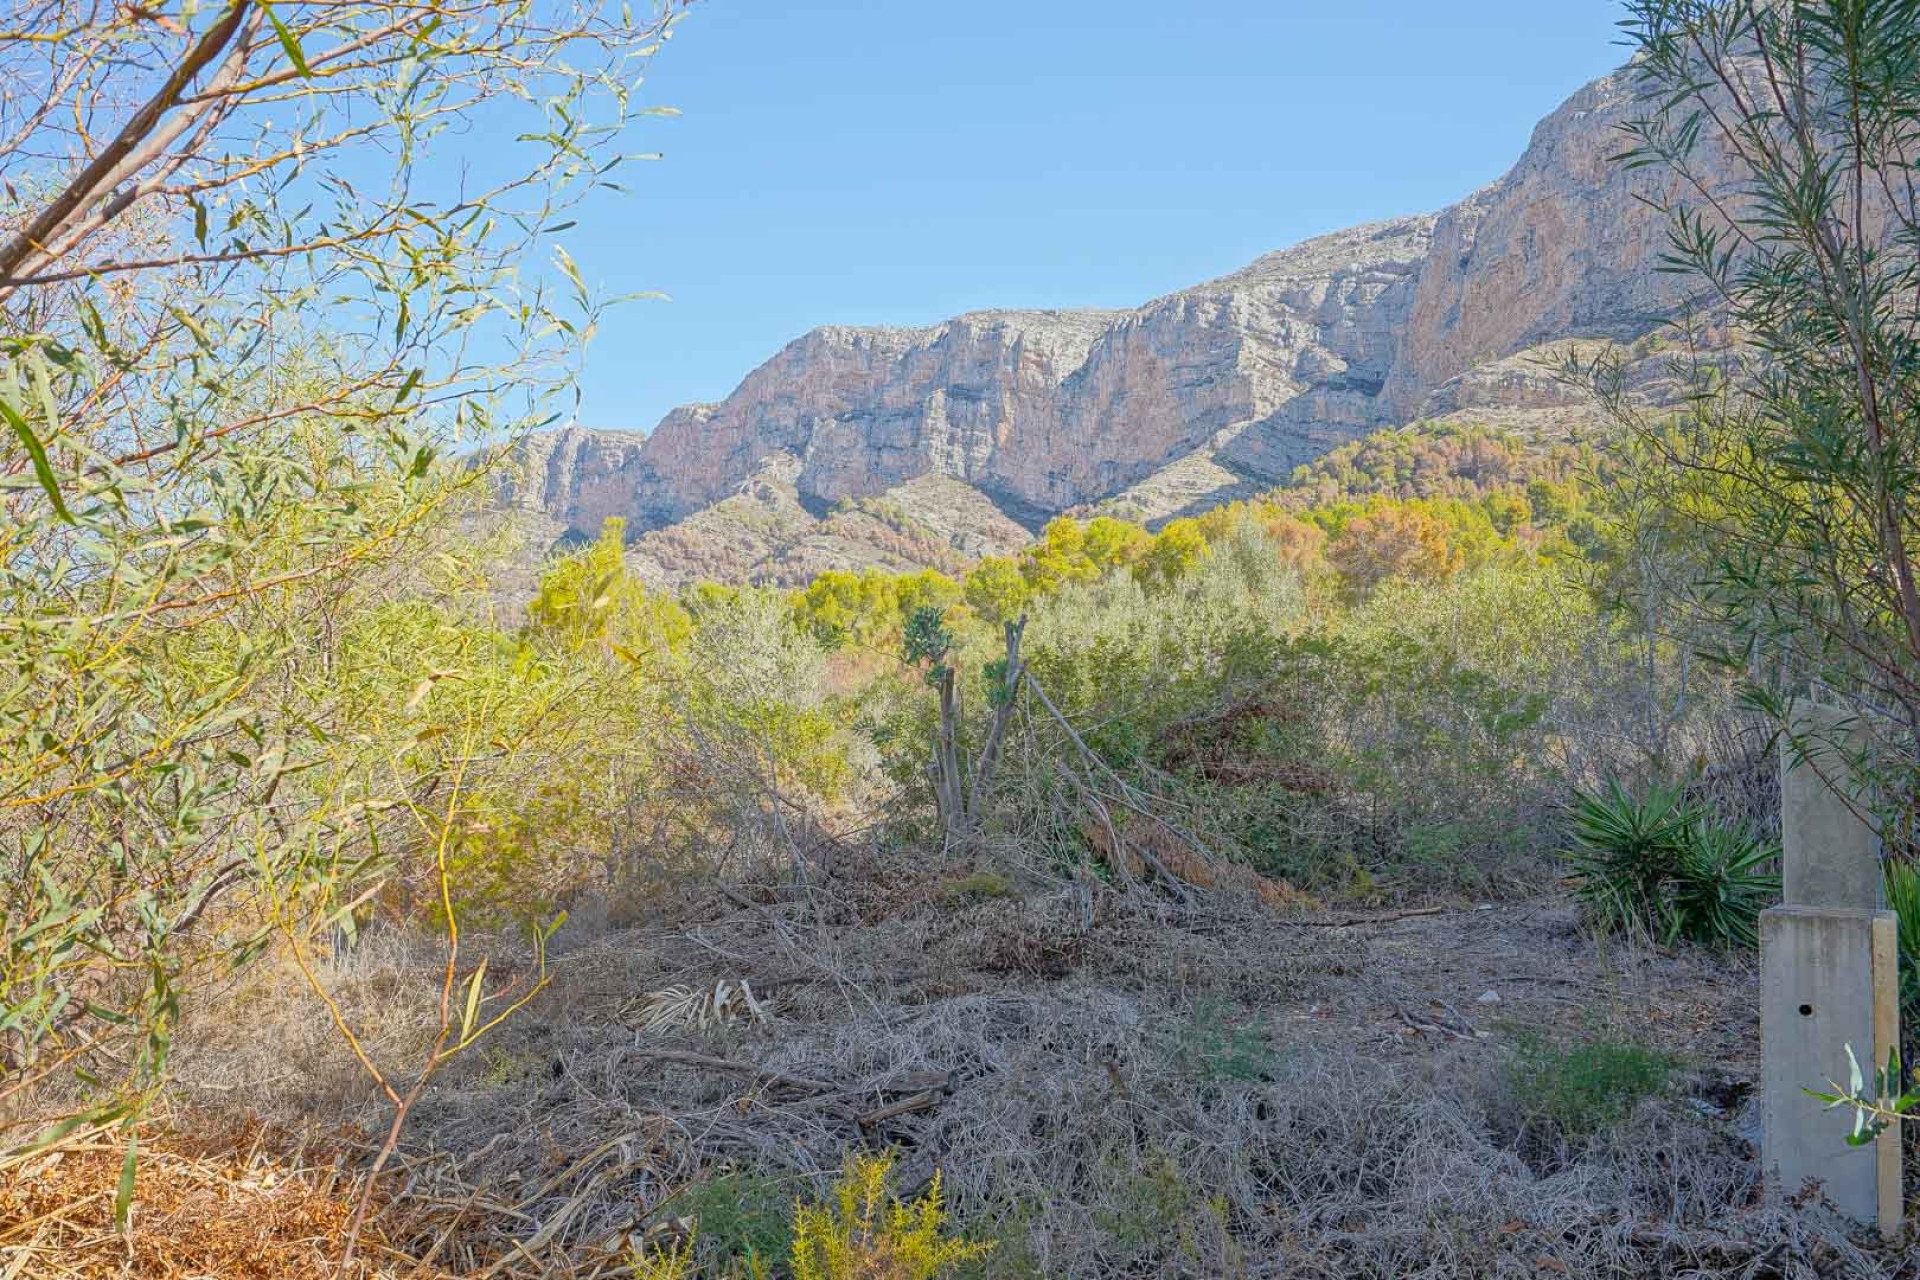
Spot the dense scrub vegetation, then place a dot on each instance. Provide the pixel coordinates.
(1037, 868)
(1342, 691)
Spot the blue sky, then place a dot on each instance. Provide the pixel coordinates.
(899, 161)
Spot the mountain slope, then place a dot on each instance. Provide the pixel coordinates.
(1191, 399)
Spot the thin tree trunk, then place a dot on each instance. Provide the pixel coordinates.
(1002, 715)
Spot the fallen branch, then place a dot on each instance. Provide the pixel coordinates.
(768, 1075)
(918, 1102)
(1348, 922)
(1147, 856)
(1420, 1024)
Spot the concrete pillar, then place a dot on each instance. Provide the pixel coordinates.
(1829, 980)
(1829, 977)
(1831, 858)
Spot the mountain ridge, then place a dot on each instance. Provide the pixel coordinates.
(1204, 394)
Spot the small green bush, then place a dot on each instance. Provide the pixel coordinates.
(982, 884)
(864, 1233)
(1212, 1046)
(1659, 865)
(745, 1222)
(1147, 1198)
(1568, 1093)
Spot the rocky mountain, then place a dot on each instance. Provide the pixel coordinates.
(854, 446)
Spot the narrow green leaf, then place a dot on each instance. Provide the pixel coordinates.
(43, 384)
(287, 42)
(564, 261)
(37, 453)
(472, 1013)
(194, 327)
(406, 388)
(123, 1194)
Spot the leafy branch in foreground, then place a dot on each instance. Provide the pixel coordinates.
(250, 302)
(1786, 131)
(462, 1019)
(1874, 1111)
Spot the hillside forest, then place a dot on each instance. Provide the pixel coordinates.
(1361, 879)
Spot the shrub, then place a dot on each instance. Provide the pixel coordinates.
(1721, 884)
(866, 1234)
(744, 1222)
(1568, 1093)
(981, 884)
(1213, 1046)
(1659, 865)
(1147, 1199)
(675, 1262)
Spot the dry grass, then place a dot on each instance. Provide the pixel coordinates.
(203, 1210)
(1111, 1084)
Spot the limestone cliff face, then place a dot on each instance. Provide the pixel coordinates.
(1190, 399)
(1049, 409)
(1563, 246)
(579, 478)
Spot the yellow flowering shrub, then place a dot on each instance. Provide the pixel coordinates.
(863, 1233)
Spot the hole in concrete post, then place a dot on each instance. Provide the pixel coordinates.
(1806, 1011)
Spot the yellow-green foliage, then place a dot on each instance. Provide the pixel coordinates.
(611, 711)
(1059, 557)
(866, 1234)
(1069, 553)
(996, 590)
(675, 1262)
(1431, 460)
(870, 608)
(546, 742)
(1114, 544)
(591, 597)
(1174, 552)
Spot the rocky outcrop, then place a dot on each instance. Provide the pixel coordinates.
(1196, 397)
(1563, 246)
(1049, 409)
(578, 477)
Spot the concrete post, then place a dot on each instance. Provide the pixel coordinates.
(1830, 857)
(1829, 980)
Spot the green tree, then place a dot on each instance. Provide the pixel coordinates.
(927, 589)
(1112, 544)
(1175, 550)
(1783, 504)
(1059, 557)
(592, 598)
(996, 589)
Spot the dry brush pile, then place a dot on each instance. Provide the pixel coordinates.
(1109, 1082)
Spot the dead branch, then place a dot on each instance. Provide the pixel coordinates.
(767, 1075)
